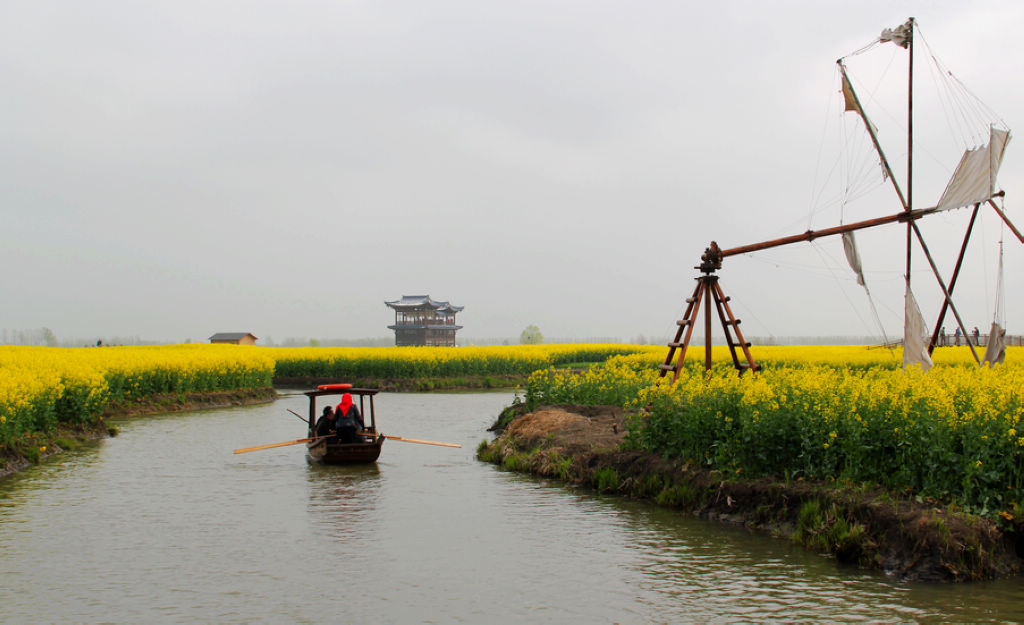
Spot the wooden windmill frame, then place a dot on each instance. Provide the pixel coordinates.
(709, 290)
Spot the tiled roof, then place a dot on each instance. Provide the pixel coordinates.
(412, 302)
(230, 336)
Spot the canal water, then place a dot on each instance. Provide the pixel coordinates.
(163, 524)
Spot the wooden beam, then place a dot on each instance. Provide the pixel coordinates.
(810, 235)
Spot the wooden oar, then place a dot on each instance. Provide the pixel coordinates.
(284, 444)
(297, 415)
(414, 440)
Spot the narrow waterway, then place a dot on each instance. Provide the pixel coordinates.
(163, 524)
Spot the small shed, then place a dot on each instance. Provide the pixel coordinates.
(234, 338)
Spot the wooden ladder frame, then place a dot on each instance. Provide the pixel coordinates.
(708, 289)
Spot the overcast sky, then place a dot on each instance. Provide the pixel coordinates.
(173, 169)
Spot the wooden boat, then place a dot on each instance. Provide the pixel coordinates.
(329, 450)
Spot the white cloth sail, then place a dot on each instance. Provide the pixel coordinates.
(899, 35)
(995, 351)
(915, 349)
(975, 177)
(853, 257)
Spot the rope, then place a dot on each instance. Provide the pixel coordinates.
(878, 321)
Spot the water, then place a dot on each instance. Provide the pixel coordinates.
(163, 524)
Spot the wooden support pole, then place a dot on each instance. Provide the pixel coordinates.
(694, 311)
(739, 334)
(952, 280)
(1007, 221)
(709, 284)
(945, 292)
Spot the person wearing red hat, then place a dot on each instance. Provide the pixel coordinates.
(347, 420)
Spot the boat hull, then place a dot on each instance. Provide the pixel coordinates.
(326, 451)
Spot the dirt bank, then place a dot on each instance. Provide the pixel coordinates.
(173, 402)
(32, 449)
(415, 385)
(874, 528)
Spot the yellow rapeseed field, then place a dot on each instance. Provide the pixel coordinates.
(41, 386)
(850, 413)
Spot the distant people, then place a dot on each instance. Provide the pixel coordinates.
(347, 420)
(942, 336)
(325, 424)
(976, 334)
(956, 337)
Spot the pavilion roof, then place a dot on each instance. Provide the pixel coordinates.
(422, 302)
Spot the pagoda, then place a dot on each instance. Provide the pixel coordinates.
(420, 320)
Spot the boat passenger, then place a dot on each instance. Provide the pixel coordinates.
(325, 424)
(347, 420)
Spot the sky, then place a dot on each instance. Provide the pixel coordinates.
(169, 170)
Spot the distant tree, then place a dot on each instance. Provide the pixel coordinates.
(314, 343)
(531, 336)
(49, 338)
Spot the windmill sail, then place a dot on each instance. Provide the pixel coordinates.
(975, 177)
(995, 351)
(853, 257)
(915, 347)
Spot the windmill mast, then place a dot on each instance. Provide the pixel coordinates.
(910, 137)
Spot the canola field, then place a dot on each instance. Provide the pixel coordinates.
(827, 413)
(41, 387)
(834, 413)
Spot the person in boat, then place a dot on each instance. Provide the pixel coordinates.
(347, 420)
(325, 424)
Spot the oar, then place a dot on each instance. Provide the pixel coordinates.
(284, 444)
(413, 440)
(416, 440)
(297, 415)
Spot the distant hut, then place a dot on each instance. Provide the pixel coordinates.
(420, 320)
(234, 338)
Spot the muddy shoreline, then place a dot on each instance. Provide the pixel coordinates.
(907, 538)
(39, 446)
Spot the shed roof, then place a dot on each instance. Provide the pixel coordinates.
(231, 336)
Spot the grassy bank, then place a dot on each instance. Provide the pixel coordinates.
(952, 434)
(858, 524)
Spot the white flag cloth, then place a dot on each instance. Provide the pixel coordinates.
(852, 256)
(915, 349)
(995, 351)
